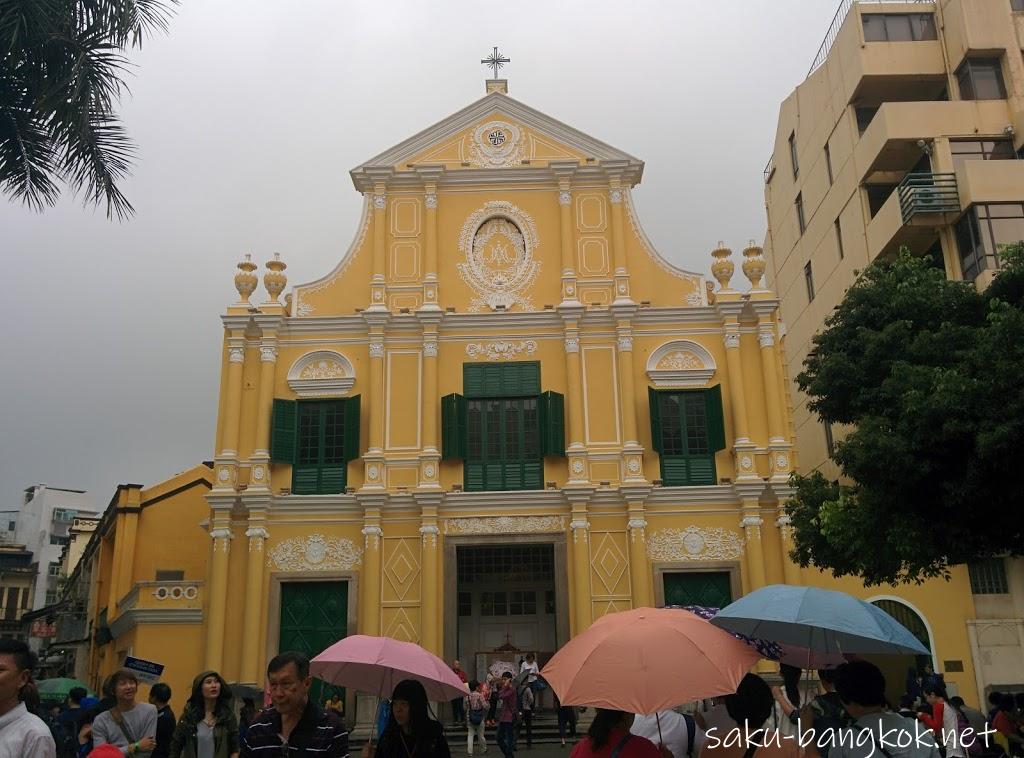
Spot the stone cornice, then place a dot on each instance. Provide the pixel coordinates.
(130, 619)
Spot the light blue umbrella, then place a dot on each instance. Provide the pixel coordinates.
(821, 620)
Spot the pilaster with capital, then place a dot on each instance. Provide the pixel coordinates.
(378, 287)
(430, 610)
(639, 564)
(227, 458)
(430, 458)
(216, 611)
(256, 533)
(373, 460)
(616, 197)
(370, 578)
(259, 468)
(430, 176)
(579, 525)
(632, 453)
(790, 570)
(575, 451)
(567, 229)
(751, 523)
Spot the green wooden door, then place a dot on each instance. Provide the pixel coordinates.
(314, 615)
(708, 588)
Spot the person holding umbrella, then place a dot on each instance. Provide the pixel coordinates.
(411, 732)
(750, 707)
(609, 735)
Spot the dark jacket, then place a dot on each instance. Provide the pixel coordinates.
(321, 732)
(432, 745)
(164, 732)
(225, 733)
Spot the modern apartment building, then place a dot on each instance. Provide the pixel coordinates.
(907, 131)
(42, 527)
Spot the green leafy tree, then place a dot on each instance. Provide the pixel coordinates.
(62, 68)
(928, 374)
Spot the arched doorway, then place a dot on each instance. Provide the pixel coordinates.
(896, 668)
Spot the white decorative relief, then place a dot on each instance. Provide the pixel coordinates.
(766, 339)
(572, 344)
(429, 534)
(499, 241)
(323, 373)
(372, 536)
(430, 348)
(431, 200)
(615, 196)
(236, 355)
(564, 197)
(504, 525)
(501, 350)
(752, 526)
(497, 144)
(268, 353)
(731, 340)
(695, 544)
(315, 553)
(376, 349)
(580, 529)
(681, 363)
(380, 202)
(625, 343)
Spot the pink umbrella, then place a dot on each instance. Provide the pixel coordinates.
(376, 664)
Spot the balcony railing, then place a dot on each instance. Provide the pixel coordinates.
(837, 22)
(928, 193)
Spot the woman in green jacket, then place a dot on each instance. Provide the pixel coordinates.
(207, 727)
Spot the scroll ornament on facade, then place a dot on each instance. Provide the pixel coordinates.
(694, 544)
(315, 553)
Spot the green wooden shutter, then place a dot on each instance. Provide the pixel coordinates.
(306, 479)
(453, 427)
(526, 378)
(350, 448)
(332, 479)
(702, 470)
(552, 424)
(473, 473)
(652, 397)
(283, 431)
(675, 470)
(519, 379)
(715, 418)
(533, 475)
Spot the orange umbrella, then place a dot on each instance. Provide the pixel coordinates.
(647, 660)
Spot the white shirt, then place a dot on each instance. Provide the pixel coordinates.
(901, 738)
(674, 735)
(533, 668)
(23, 735)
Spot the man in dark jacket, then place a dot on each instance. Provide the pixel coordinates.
(295, 723)
(160, 696)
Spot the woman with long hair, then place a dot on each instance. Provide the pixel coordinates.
(609, 733)
(410, 732)
(943, 719)
(207, 727)
(749, 707)
(128, 725)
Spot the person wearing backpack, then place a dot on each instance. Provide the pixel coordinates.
(822, 718)
(476, 713)
(679, 732)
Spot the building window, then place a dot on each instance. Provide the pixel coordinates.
(51, 597)
(839, 239)
(830, 443)
(809, 281)
(318, 438)
(549, 602)
(56, 539)
(981, 79)
(899, 27)
(988, 577)
(792, 155)
(64, 515)
(54, 569)
(981, 150)
(878, 194)
(982, 231)
(465, 604)
(800, 220)
(828, 164)
(503, 427)
(687, 429)
(522, 603)
(170, 575)
(1017, 5)
(493, 604)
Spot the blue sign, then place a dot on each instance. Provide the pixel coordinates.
(147, 671)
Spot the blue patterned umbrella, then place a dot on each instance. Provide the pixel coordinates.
(769, 650)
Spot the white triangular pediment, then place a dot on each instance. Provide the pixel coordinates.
(450, 141)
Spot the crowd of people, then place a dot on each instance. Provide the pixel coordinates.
(850, 717)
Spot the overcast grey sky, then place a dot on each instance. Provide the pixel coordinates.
(249, 115)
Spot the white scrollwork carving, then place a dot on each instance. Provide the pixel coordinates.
(615, 196)
(633, 466)
(221, 537)
(625, 343)
(504, 525)
(258, 473)
(637, 527)
(636, 523)
(695, 299)
(428, 471)
(268, 353)
(564, 197)
(378, 295)
(430, 200)
(376, 349)
(785, 525)
(580, 529)
(501, 350)
(372, 536)
(766, 339)
(680, 360)
(694, 544)
(380, 201)
(236, 355)
(257, 536)
(499, 241)
(315, 553)
(752, 526)
(681, 363)
(430, 348)
(731, 339)
(572, 344)
(746, 463)
(497, 144)
(372, 472)
(577, 466)
(429, 534)
(781, 461)
(322, 373)
(223, 474)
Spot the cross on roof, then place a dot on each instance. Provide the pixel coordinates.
(495, 61)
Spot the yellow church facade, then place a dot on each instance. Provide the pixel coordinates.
(501, 416)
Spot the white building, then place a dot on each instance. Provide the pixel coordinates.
(42, 526)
